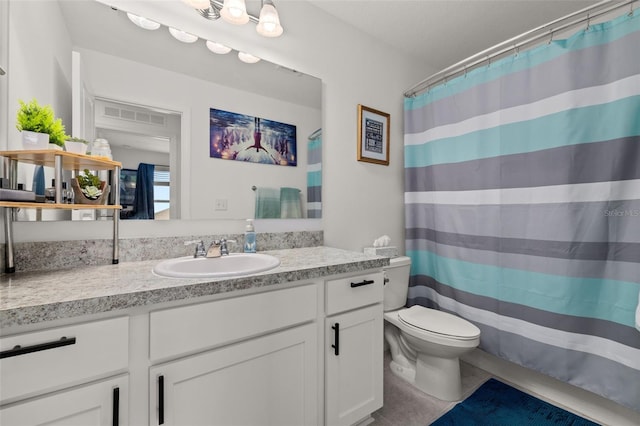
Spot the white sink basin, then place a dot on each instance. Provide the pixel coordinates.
(234, 264)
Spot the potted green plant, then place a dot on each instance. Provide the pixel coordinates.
(89, 189)
(33, 119)
(75, 145)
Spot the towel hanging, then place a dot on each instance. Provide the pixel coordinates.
(290, 203)
(267, 203)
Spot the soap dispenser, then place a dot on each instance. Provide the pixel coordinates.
(249, 237)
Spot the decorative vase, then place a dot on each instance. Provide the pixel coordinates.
(80, 198)
(34, 140)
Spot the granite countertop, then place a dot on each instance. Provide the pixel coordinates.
(33, 297)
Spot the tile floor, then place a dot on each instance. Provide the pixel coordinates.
(406, 406)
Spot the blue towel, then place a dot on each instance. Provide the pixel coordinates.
(267, 203)
(290, 206)
(38, 180)
(143, 201)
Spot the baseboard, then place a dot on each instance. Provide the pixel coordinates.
(569, 397)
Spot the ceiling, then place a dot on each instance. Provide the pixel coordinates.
(441, 33)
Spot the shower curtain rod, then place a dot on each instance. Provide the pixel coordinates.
(513, 44)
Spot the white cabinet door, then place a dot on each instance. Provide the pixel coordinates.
(99, 404)
(353, 362)
(270, 380)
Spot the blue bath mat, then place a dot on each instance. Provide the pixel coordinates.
(497, 404)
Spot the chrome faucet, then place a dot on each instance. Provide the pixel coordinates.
(222, 243)
(200, 250)
(216, 249)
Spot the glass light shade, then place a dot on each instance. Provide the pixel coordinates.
(198, 4)
(234, 12)
(182, 36)
(143, 22)
(248, 58)
(218, 48)
(269, 23)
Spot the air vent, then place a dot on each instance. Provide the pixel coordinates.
(138, 116)
(157, 119)
(112, 112)
(142, 117)
(128, 115)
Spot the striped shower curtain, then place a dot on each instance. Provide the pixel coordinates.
(314, 175)
(522, 196)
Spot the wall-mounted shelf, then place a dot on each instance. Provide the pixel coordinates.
(59, 161)
(70, 161)
(55, 206)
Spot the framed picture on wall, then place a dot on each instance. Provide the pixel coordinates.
(241, 137)
(373, 136)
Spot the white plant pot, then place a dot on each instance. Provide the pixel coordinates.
(75, 147)
(34, 140)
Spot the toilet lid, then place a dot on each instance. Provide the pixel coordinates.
(438, 322)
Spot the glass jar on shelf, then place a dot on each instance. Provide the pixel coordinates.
(100, 148)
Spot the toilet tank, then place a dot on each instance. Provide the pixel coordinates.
(397, 286)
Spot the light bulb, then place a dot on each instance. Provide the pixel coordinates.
(143, 22)
(182, 35)
(218, 48)
(234, 12)
(269, 23)
(248, 58)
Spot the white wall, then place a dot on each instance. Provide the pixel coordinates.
(44, 74)
(361, 201)
(207, 178)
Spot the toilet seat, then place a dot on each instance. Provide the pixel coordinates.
(438, 322)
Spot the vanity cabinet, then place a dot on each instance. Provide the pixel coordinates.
(104, 403)
(270, 379)
(69, 375)
(354, 351)
(305, 352)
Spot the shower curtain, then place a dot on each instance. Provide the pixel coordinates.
(522, 197)
(314, 175)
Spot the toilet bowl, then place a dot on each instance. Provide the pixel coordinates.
(425, 344)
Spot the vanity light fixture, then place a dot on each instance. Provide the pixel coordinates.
(218, 48)
(235, 12)
(143, 22)
(269, 23)
(182, 35)
(248, 58)
(186, 37)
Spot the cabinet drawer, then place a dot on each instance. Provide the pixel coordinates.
(45, 360)
(352, 292)
(190, 329)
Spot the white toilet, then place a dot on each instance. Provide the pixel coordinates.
(425, 343)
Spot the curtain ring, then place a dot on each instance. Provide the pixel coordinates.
(465, 71)
(588, 23)
(516, 49)
(551, 37)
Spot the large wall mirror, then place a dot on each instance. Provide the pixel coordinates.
(150, 96)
